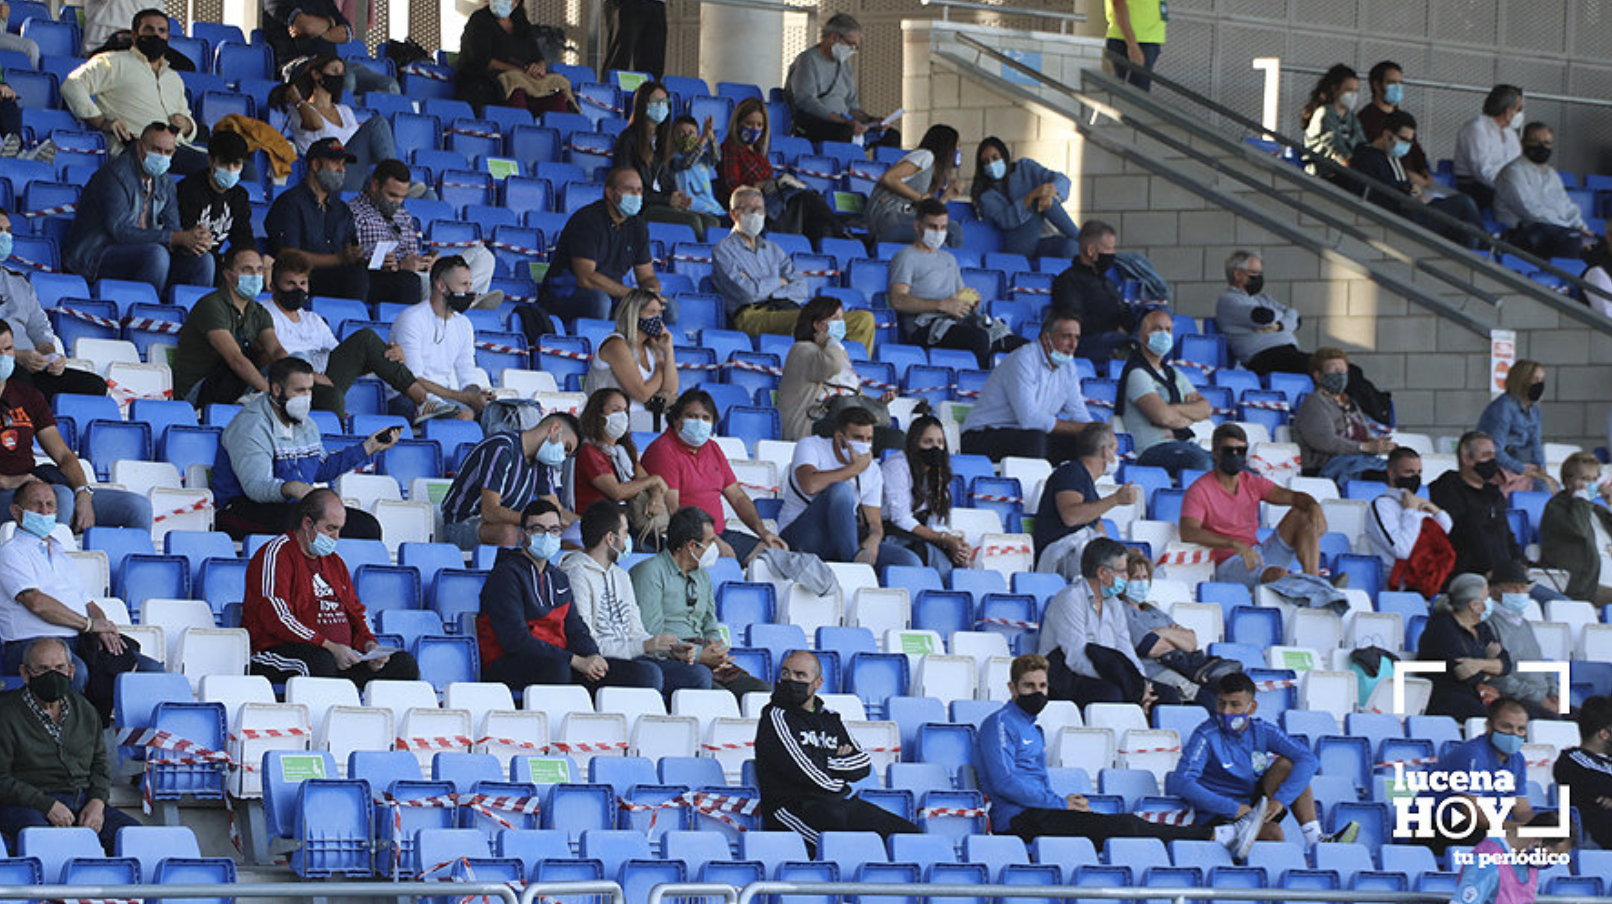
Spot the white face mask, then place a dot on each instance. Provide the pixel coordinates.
(1518, 120)
(298, 408)
(615, 425)
(709, 557)
(859, 448)
(752, 224)
(1349, 99)
(1111, 467)
(934, 239)
(843, 52)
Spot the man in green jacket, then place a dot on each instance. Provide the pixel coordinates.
(53, 766)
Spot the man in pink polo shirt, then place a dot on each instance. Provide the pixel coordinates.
(1221, 511)
(697, 473)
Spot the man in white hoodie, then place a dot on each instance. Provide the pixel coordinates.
(603, 594)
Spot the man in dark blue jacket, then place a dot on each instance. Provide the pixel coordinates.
(1235, 764)
(127, 224)
(1012, 756)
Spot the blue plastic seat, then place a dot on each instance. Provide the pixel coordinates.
(576, 808)
(741, 604)
(236, 61)
(383, 587)
(1130, 784)
(149, 845)
(875, 677)
(53, 846)
(911, 713)
(613, 848)
(192, 870)
(1347, 756)
(691, 771)
(751, 424)
(1258, 627)
(445, 659)
(101, 871)
(106, 441)
(532, 846)
(170, 778)
(772, 849)
(457, 592)
(951, 745)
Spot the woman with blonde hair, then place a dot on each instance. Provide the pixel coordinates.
(637, 358)
(1515, 423)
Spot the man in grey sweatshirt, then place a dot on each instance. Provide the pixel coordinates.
(821, 89)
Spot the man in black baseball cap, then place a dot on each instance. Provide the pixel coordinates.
(311, 217)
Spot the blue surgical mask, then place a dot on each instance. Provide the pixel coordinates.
(156, 164)
(249, 285)
(8, 363)
(1114, 589)
(543, 546)
(1137, 590)
(1507, 744)
(324, 545)
(658, 111)
(1160, 342)
(5, 245)
(1060, 359)
(1515, 602)
(502, 8)
(39, 525)
(749, 136)
(551, 453)
(996, 169)
(694, 431)
(1401, 148)
(1233, 723)
(226, 178)
(836, 330)
(1394, 94)
(630, 205)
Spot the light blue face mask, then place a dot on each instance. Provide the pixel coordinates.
(630, 205)
(156, 164)
(543, 546)
(1401, 148)
(996, 169)
(836, 330)
(1160, 342)
(249, 285)
(657, 111)
(226, 178)
(5, 245)
(8, 364)
(1137, 590)
(1394, 94)
(324, 545)
(1060, 359)
(38, 524)
(551, 453)
(695, 432)
(1507, 744)
(1514, 602)
(1116, 588)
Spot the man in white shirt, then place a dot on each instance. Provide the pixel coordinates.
(120, 93)
(1488, 143)
(439, 345)
(337, 365)
(41, 595)
(1091, 613)
(1397, 515)
(833, 494)
(1531, 201)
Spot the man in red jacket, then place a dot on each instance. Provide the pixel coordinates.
(301, 610)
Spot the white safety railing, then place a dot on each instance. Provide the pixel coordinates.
(1063, 19)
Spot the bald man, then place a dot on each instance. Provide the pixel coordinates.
(806, 762)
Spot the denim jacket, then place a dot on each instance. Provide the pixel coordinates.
(109, 210)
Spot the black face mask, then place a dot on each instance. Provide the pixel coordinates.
(1538, 153)
(332, 84)
(1487, 469)
(291, 299)
(1412, 483)
(461, 301)
(1231, 463)
(1105, 262)
(49, 687)
(1536, 392)
(151, 47)
(791, 694)
(1032, 703)
(1255, 284)
(932, 458)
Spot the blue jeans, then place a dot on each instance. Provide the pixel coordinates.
(828, 528)
(1150, 56)
(676, 676)
(1343, 468)
(113, 508)
(372, 143)
(590, 303)
(11, 661)
(155, 264)
(15, 819)
(1176, 455)
(1028, 241)
(362, 80)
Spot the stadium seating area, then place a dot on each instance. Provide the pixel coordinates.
(558, 786)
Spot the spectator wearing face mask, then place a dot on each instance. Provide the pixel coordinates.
(1397, 518)
(1159, 403)
(1085, 292)
(1331, 128)
(1488, 142)
(1087, 639)
(121, 91)
(501, 475)
(1508, 607)
(599, 244)
(832, 496)
(821, 89)
(500, 62)
(1384, 159)
(310, 217)
(692, 155)
(378, 216)
(1334, 437)
(818, 378)
(608, 468)
(637, 358)
(1025, 201)
(1497, 750)
(439, 344)
(214, 197)
(1457, 635)
(227, 338)
(1516, 424)
(646, 147)
(918, 498)
(1479, 530)
(1032, 404)
(315, 112)
(1530, 200)
(1567, 535)
(933, 307)
(1071, 508)
(1387, 81)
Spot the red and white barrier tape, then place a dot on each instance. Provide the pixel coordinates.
(446, 742)
(202, 505)
(1011, 623)
(1186, 557)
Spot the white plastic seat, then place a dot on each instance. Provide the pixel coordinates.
(556, 701)
(362, 491)
(980, 645)
(1328, 691)
(180, 508)
(1435, 464)
(780, 452)
(527, 382)
(1205, 620)
(1539, 760)
(404, 522)
(947, 677)
(258, 728)
(1155, 750)
(233, 691)
(1573, 613)
(730, 741)
(706, 706)
(1121, 717)
(881, 741)
(758, 479)
(1375, 629)
(213, 651)
(1003, 553)
(1555, 640)
(1320, 488)
(583, 736)
(93, 569)
(105, 352)
(569, 402)
(997, 676)
(1421, 442)
(1558, 734)
(1474, 727)
(752, 703)
(478, 697)
(1032, 474)
(1347, 517)
(799, 606)
(140, 477)
(849, 706)
(662, 736)
(879, 609)
(130, 380)
(1158, 535)
(1278, 462)
(425, 732)
(1091, 749)
(152, 639)
(915, 643)
(631, 702)
(975, 524)
(174, 617)
(1418, 691)
(506, 734)
(399, 697)
(1058, 715)
(319, 695)
(1596, 644)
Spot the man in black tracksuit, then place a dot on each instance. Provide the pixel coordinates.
(806, 762)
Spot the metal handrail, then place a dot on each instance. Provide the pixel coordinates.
(749, 893)
(548, 891)
(727, 893)
(1010, 10)
(771, 5)
(1472, 89)
(1327, 167)
(503, 892)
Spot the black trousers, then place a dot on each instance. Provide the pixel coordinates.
(1000, 442)
(341, 282)
(396, 286)
(636, 36)
(807, 126)
(242, 517)
(1099, 827)
(519, 671)
(73, 380)
(1477, 191)
(283, 662)
(809, 818)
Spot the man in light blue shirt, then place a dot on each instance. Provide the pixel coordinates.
(1032, 405)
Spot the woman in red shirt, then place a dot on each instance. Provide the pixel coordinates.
(791, 207)
(607, 467)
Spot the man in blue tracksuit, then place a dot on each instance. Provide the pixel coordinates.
(1235, 764)
(1011, 753)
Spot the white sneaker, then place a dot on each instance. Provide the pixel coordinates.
(1246, 831)
(488, 301)
(435, 408)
